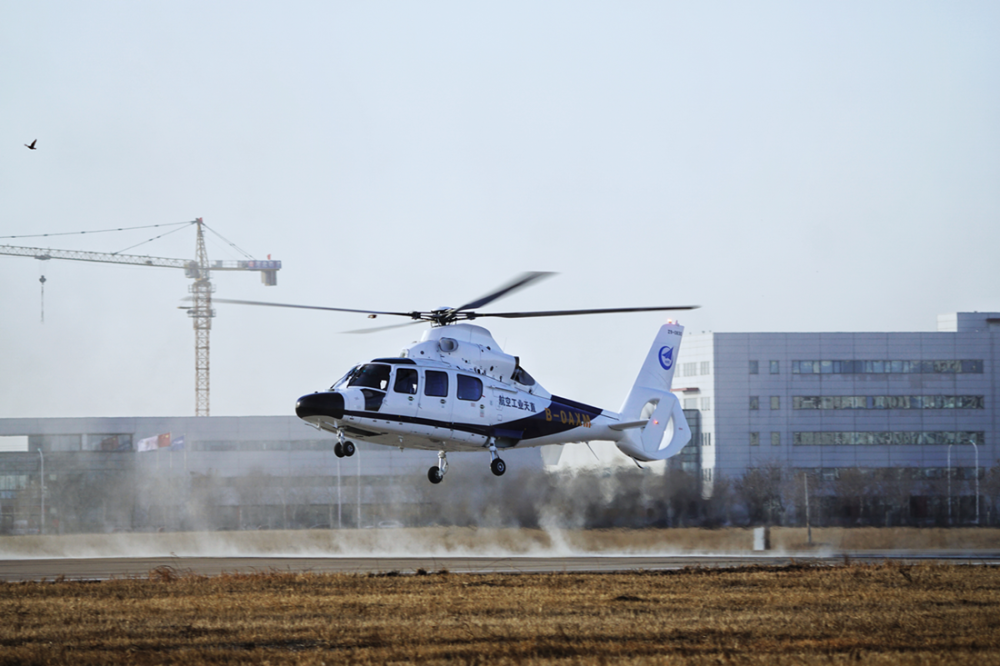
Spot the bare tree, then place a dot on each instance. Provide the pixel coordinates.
(718, 509)
(894, 487)
(989, 488)
(760, 491)
(852, 487)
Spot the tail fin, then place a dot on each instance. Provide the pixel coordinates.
(650, 400)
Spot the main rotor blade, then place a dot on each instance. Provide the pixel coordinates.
(567, 313)
(518, 283)
(384, 328)
(314, 307)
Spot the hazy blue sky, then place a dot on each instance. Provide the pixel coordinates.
(789, 166)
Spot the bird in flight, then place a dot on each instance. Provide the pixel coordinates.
(31, 146)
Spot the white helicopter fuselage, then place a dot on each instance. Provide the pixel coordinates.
(462, 411)
(456, 390)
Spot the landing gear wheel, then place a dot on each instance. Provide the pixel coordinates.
(434, 475)
(498, 467)
(338, 450)
(349, 449)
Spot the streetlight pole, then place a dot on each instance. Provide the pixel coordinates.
(976, 447)
(809, 529)
(41, 489)
(949, 485)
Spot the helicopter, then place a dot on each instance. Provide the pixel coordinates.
(457, 390)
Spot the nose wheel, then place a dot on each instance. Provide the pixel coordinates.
(436, 474)
(344, 448)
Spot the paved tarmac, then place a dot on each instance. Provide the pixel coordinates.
(107, 568)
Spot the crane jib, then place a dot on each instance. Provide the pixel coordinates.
(198, 269)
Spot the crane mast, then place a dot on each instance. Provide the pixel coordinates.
(201, 290)
(202, 314)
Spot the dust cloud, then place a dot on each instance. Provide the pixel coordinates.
(161, 510)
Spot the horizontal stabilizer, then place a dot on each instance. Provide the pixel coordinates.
(628, 425)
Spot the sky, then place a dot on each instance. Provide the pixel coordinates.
(788, 166)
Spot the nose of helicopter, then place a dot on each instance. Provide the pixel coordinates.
(320, 404)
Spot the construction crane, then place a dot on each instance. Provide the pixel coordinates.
(201, 292)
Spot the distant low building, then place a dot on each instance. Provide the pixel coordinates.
(143, 473)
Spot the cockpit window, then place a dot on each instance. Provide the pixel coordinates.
(521, 376)
(371, 375)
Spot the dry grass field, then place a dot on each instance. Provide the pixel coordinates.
(884, 614)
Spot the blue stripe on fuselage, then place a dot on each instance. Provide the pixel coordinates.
(561, 415)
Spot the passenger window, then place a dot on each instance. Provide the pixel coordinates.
(406, 381)
(469, 388)
(436, 383)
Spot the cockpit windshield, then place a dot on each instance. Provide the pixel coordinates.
(347, 375)
(371, 375)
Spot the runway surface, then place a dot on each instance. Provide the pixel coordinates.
(107, 568)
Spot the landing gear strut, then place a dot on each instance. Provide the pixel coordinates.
(436, 474)
(497, 466)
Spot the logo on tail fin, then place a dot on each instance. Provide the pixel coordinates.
(667, 357)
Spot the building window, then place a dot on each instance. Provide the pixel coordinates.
(753, 368)
(690, 369)
(775, 367)
(754, 403)
(706, 439)
(886, 367)
(706, 367)
(889, 402)
(775, 439)
(706, 404)
(909, 438)
(775, 402)
(14, 482)
(690, 403)
(755, 439)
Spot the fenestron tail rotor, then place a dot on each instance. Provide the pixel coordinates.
(445, 316)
